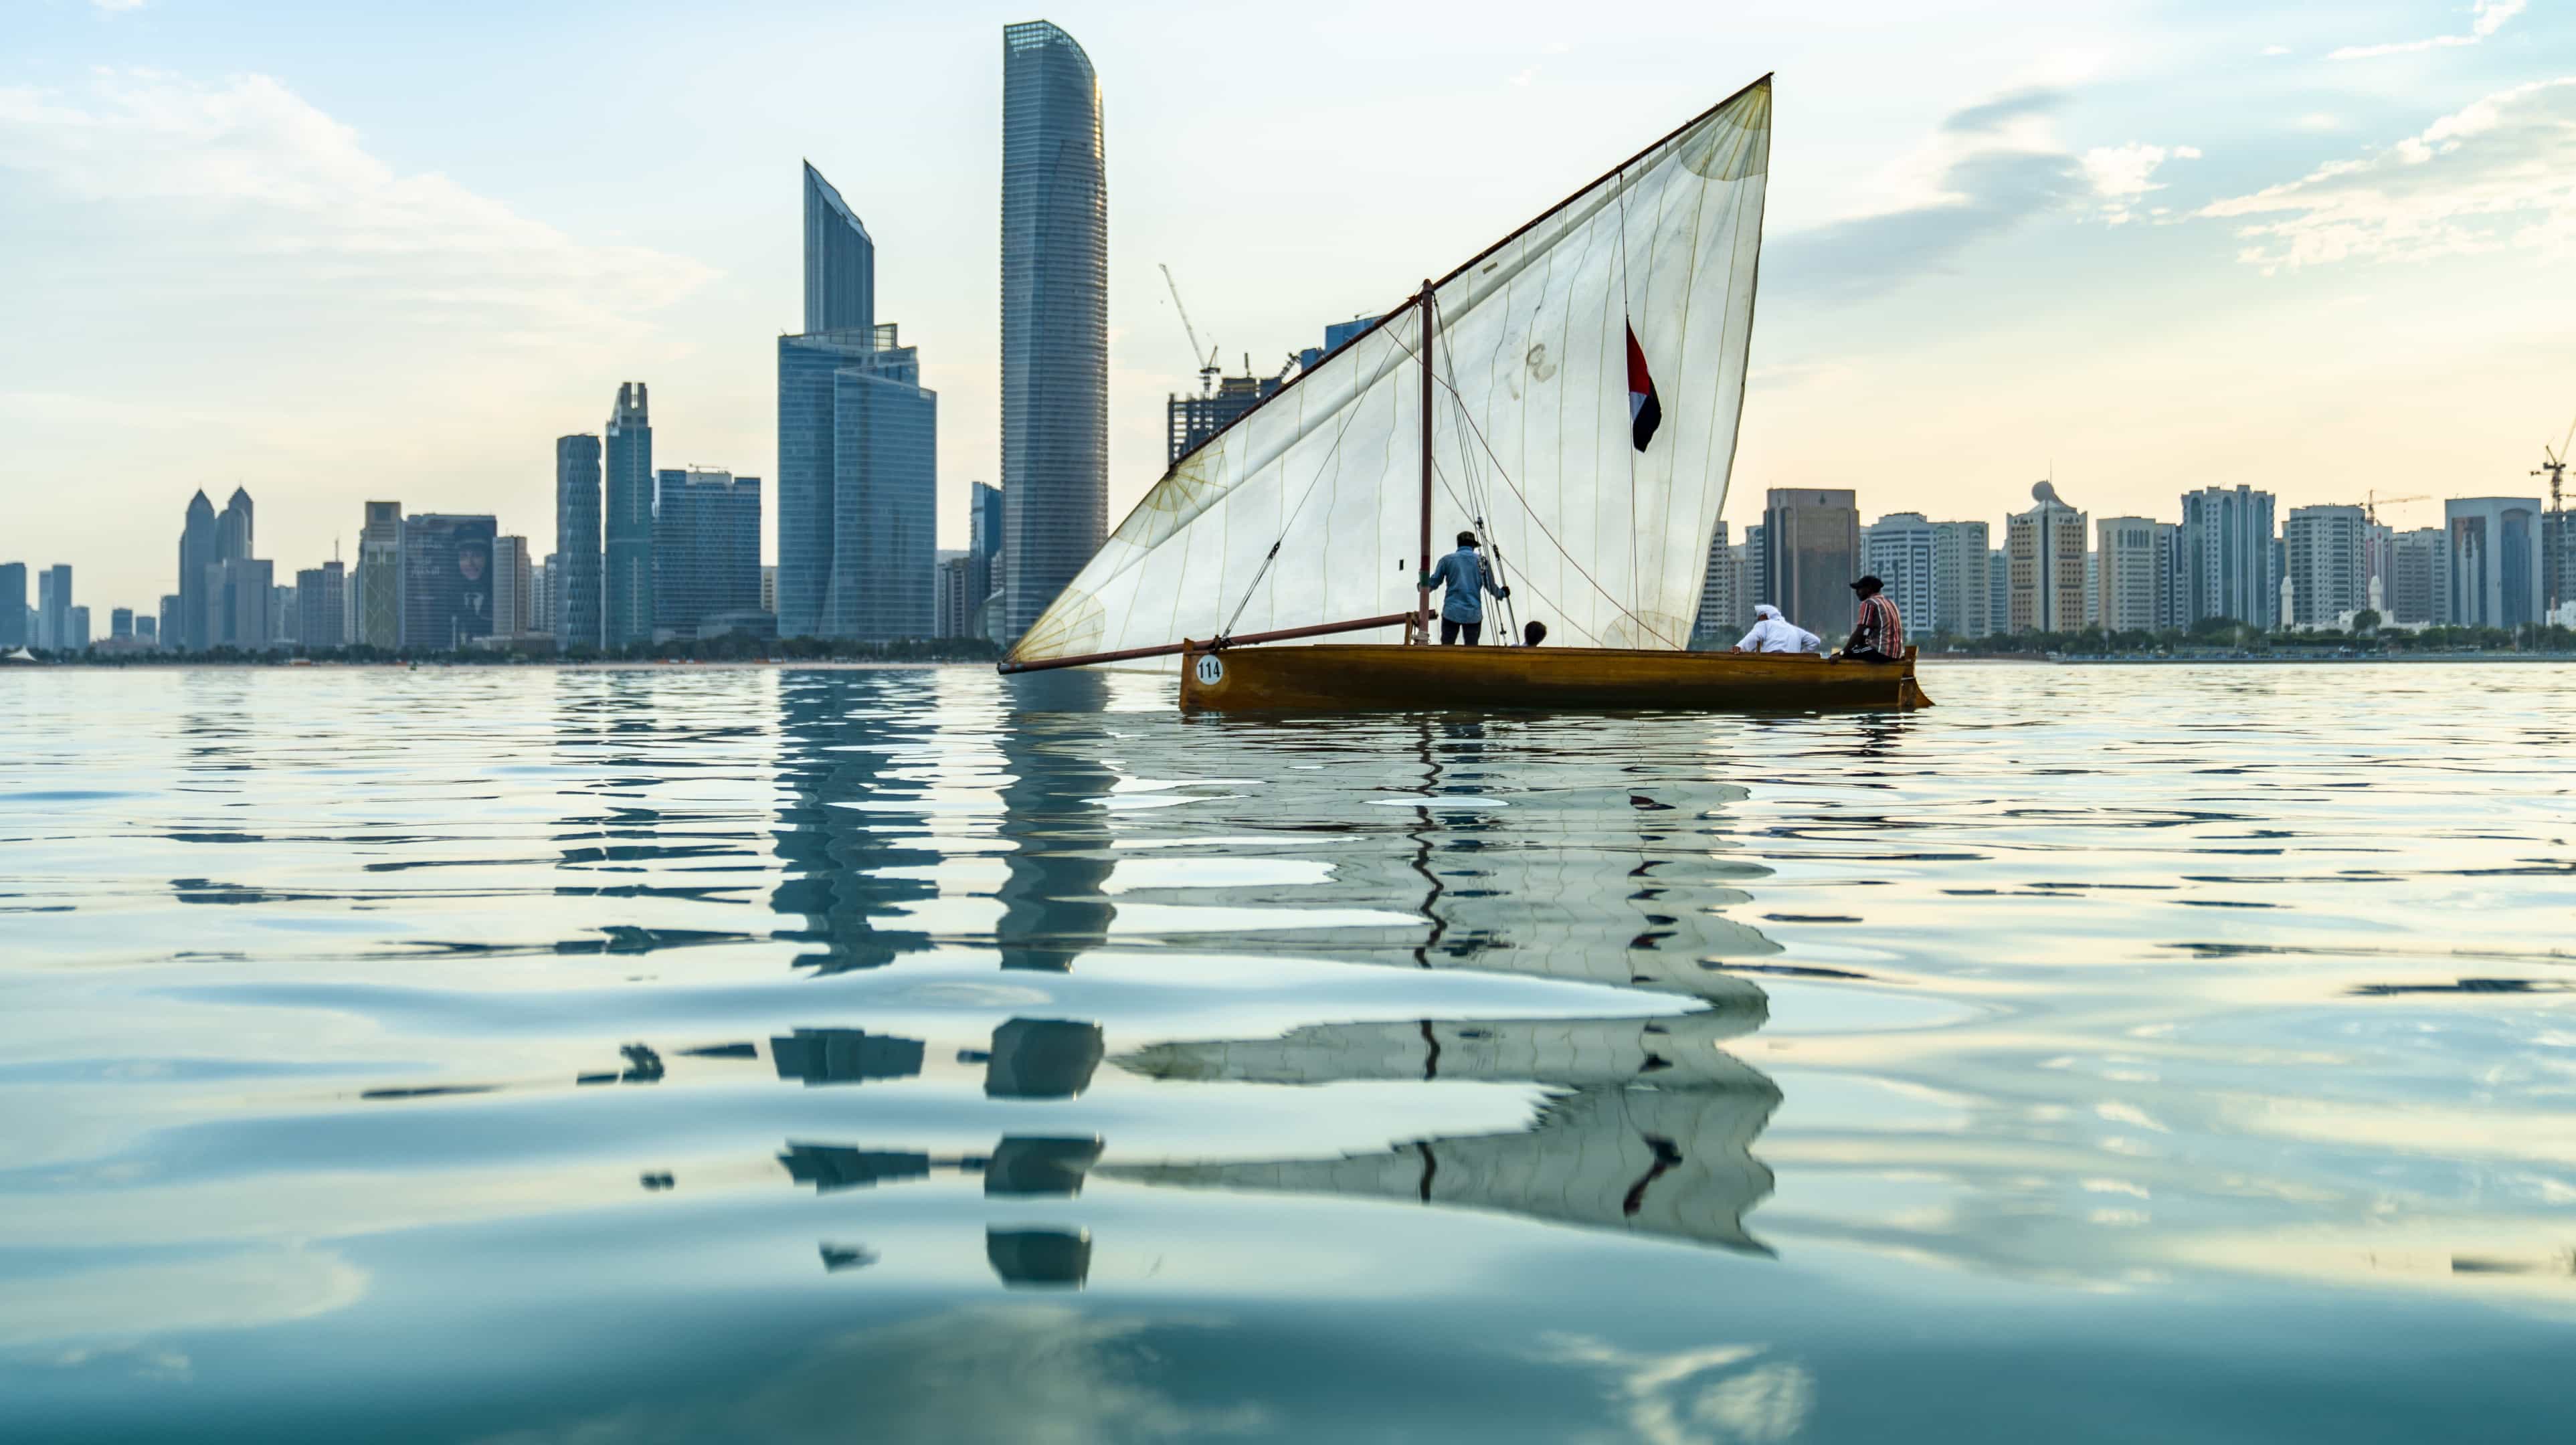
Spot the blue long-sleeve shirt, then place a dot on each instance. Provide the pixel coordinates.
(1463, 573)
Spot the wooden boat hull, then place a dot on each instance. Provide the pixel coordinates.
(1362, 677)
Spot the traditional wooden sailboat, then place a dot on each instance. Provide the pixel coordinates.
(1570, 394)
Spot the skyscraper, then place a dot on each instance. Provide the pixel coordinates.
(1722, 606)
(1813, 537)
(2419, 576)
(1960, 590)
(196, 554)
(447, 581)
(706, 552)
(2327, 548)
(1055, 318)
(171, 628)
(13, 606)
(120, 623)
(379, 605)
(626, 615)
(858, 470)
(321, 606)
(2228, 535)
(576, 575)
(2495, 560)
(1899, 549)
(840, 261)
(512, 576)
(2129, 594)
(2045, 548)
(54, 608)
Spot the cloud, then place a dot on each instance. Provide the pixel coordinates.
(2500, 174)
(2486, 17)
(1670, 1399)
(244, 187)
(1992, 166)
(2276, 50)
(2121, 174)
(1038, 1373)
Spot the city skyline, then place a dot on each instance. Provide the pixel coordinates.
(1940, 240)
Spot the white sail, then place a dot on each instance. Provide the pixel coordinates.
(1530, 431)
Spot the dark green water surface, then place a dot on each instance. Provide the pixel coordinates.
(914, 1054)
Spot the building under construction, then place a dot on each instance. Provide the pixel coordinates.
(1196, 418)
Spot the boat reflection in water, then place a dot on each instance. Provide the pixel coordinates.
(1653, 1134)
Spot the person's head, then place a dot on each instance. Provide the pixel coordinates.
(1466, 539)
(1534, 634)
(1765, 612)
(1867, 586)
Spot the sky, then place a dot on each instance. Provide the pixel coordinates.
(335, 252)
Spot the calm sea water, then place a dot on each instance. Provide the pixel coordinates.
(682, 1055)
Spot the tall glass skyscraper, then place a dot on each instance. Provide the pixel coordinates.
(858, 473)
(13, 605)
(1055, 318)
(840, 261)
(706, 550)
(379, 582)
(576, 579)
(196, 554)
(627, 522)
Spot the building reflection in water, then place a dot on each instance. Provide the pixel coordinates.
(1039, 1258)
(843, 742)
(844, 1056)
(1652, 1133)
(1053, 735)
(1039, 1059)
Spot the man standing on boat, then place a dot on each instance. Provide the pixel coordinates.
(1880, 637)
(1462, 608)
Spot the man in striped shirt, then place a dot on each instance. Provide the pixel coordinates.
(1880, 637)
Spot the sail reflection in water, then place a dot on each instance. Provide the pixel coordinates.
(1652, 1136)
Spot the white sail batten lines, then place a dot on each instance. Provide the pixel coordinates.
(1532, 340)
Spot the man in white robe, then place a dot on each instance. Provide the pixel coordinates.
(1775, 633)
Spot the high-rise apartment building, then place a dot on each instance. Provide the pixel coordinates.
(2495, 560)
(576, 577)
(283, 617)
(120, 624)
(2419, 576)
(380, 578)
(626, 521)
(147, 630)
(2173, 579)
(541, 597)
(1724, 610)
(513, 577)
(1899, 549)
(706, 553)
(1055, 318)
(2328, 552)
(2045, 548)
(2129, 576)
(956, 599)
(858, 469)
(1757, 566)
(240, 608)
(54, 608)
(1812, 536)
(2234, 573)
(13, 606)
(447, 580)
(76, 630)
(1961, 591)
(321, 606)
(171, 629)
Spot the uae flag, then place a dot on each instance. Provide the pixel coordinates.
(1645, 413)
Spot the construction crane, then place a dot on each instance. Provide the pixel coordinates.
(1208, 369)
(2555, 469)
(2371, 500)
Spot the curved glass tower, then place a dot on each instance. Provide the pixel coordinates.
(1055, 318)
(840, 261)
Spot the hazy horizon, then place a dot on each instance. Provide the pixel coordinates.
(334, 255)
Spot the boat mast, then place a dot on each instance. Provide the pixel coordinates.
(1422, 607)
